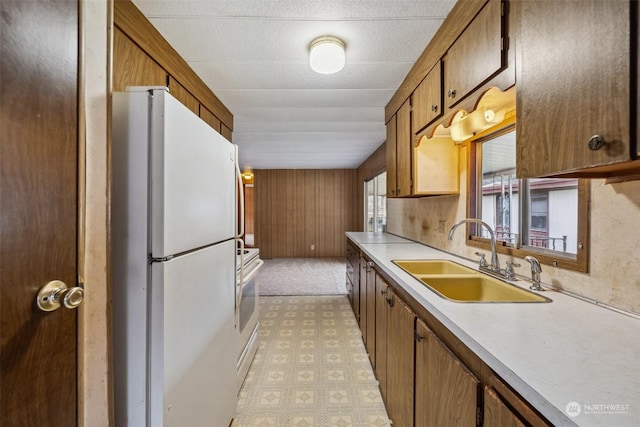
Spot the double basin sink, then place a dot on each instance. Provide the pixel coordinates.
(458, 283)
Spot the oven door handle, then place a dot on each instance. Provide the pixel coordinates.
(246, 279)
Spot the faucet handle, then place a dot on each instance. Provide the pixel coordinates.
(483, 260)
(509, 272)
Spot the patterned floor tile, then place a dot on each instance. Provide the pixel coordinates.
(311, 368)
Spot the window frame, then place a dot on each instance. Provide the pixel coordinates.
(556, 259)
(376, 207)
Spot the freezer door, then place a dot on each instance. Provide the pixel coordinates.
(193, 191)
(192, 339)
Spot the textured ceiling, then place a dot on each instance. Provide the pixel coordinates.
(254, 57)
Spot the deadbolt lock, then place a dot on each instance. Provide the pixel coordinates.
(56, 293)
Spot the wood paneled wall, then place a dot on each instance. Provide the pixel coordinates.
(371, 167)
(142, 57)
(295, 209)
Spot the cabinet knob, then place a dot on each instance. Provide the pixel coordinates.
(596, 142)
(434, 108)
(451, 93)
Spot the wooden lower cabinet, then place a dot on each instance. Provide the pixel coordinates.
(422, 381)
(381, 334)
(497, 413)
(362, 318)
(371, 314)
(446, 391)
(353, 277)
(400, 359)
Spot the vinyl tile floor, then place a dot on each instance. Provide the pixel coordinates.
(311, 368)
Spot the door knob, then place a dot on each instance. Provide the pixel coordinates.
(56, 293)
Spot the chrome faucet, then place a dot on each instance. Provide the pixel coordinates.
(535, 273)
(495, 264)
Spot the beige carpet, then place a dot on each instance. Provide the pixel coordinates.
(302, 276)
(311, 368)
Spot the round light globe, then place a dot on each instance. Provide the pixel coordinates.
(327, 55)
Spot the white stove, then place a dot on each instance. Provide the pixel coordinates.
(248, 263)
(246, 256)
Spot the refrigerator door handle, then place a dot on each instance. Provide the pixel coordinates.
(240, 195)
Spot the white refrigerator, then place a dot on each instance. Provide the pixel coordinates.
(173, 257)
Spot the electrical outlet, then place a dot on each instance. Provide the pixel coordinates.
(441, 226)
(313, 247)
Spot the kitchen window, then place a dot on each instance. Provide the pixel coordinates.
(543, 217)
(375, 203)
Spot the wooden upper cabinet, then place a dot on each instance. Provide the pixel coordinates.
(477, 55)
(132, 66)
(391, 149)
(573, 86)
(404, 148)
(427, 99)
(226, 132)
(209, 118)
(181, 94)
(497, 413)
(446, 391)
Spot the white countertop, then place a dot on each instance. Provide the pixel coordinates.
(552, 354)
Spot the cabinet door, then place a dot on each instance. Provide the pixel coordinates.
(371, 315)
(573, 78)
(496, 413)
(427, 99)
(476, 56)
(400, 359)
(209, 118)
(132, 66)
(362, 319)
(391, 147)
(446, 391)
(403, 150)
(181, 94)
(381, 334)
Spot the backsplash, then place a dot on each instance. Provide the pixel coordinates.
(614, 265)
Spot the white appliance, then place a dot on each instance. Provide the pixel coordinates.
(247, 309)
(174, 272)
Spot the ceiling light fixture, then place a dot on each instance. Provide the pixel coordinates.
(326, 55)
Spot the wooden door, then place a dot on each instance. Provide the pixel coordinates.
(446, 391)
(381, 335)
(574, 82)
(38, 210)
(496, 413)
(400, 359)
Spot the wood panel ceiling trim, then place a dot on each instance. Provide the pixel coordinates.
(129, 19)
